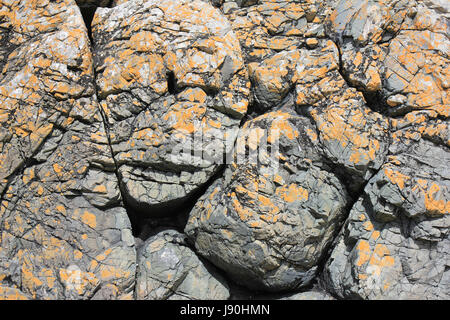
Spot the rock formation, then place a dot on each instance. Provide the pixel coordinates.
(194, 149)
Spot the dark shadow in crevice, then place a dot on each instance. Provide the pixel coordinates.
(171, 82)
(88, 14)
(145, 219)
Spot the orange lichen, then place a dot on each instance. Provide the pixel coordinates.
(292, 193)
(89, 219)
(396, 177)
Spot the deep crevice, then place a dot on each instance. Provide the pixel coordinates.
(171, 82)
(175, 215)
(88, 14)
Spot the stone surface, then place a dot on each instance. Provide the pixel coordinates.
(268, 227)
(170, 75)
(400, 52)
(169, 269)
(295, 146)
(309, 295)
(396, 241)
(64, 233)
(351, 135)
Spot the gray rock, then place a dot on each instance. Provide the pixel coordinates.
(64, 232)
(265, 226)
(396, 241)
(309, 295)
(171, 80)
(169, 269)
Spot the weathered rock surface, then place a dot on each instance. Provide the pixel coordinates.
(64, 233)
(309, 295)
(170, 75)
(292, 62)
(169, 269)
(294, 144)
(351, 135)
(268, 227)
(396, 240)
(400, 51)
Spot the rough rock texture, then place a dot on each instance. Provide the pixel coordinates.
(292, 62)
(269, 228)
(309, 295)
(64, 232)
(169, 269)
(400, 52)
(294, 146)
(351, 135)
(167, 72)
(396, 240)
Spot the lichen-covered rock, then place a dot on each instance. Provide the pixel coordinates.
(292, 62)
(64, 233)
(265, 27)
(7, 293)
(351, 135)
(293, 136)
(168, 72)
(396, 243)
(169, 269)
(265, 226)
(398, 49)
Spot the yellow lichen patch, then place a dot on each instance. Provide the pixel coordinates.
(362, 276)
(100, 188)
(28, 175)
(75, 279)
(29, 280)
(54, 249)
(193, 95)
(111, 272)
(266, 205)
(48, 276)
(144, 41)
(103, 255)
(280, 126)
(381, 257)
(396, 177)
(363, 250)
(57, 168)
(182, 117)
(244, 213)
(433, 205)
(292, 193)
(89, 218)
(368, 226)
(77, 254)
(7, 293)
(375, 260)
(374, 83)
(375, 234)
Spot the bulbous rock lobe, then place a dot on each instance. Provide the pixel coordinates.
(169, 269)
(168, 72)
(268, 227)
